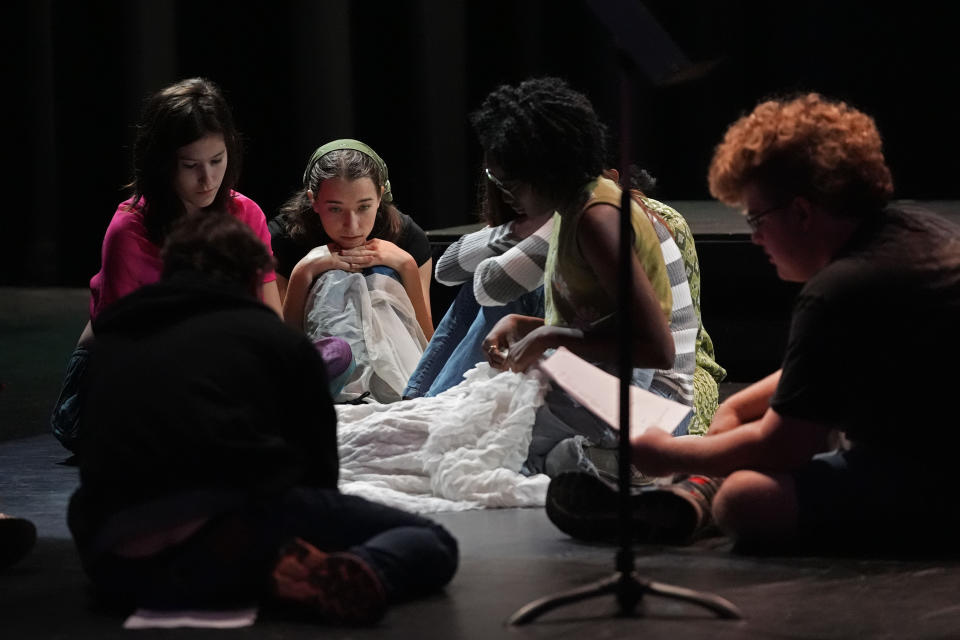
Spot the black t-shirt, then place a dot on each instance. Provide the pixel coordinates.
(289, 251)
(193, 386)
(873, 345)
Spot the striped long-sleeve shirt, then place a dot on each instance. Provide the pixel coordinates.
(502, 265)
(676, 382)
(503, 268)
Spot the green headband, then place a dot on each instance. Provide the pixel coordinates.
(353, 145)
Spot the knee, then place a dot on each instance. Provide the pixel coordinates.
(447, 554)
(756, 507)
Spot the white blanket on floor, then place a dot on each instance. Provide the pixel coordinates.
(460, 450)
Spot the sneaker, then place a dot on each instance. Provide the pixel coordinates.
(586, 507)
(17, 537)
(339, 587)
(607, 463)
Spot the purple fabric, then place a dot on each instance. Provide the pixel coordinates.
(336, 354)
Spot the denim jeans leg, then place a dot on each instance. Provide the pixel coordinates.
(65, 417)
(448, 335)
(229, 560)
(562, 427)
(412, 554)
(469, 351)
(384, 271)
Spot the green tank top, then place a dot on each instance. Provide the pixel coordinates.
(573, 296)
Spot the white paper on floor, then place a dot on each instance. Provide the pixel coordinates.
(200, 619)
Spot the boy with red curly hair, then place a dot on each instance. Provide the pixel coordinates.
(871, 351)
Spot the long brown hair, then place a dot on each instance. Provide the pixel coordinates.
(172, 118)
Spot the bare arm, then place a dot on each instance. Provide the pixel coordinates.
(282, 288)
(772, 443)
(411, 276)
(426, 275)
(510, 330)
(271, 297)
(746, 405)
(599, 237)
(318, 261)
(86, 336)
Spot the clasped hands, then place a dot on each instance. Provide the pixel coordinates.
(371, 253)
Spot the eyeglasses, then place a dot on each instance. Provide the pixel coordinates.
(753, 219)
(498, 183)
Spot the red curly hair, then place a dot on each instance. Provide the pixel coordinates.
(810, 146)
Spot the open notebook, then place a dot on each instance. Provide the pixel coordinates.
(599, 392)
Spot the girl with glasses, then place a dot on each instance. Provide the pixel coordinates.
(545, 150)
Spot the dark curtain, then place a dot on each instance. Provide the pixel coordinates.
(402, 75)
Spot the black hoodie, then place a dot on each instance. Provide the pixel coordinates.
(194, 385)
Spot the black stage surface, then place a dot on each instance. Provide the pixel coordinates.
(508, 557)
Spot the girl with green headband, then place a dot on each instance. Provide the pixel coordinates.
(343, 219)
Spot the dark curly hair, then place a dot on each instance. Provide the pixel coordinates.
(174, 117)
(810, 146)
(218, 246)
(543, 133)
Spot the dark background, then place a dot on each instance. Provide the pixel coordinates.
(402, 75)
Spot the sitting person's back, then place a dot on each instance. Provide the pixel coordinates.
(182, 393)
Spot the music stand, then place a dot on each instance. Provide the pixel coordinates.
(641, 42)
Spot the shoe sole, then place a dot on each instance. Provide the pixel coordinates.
(339, 587)
(587, 508)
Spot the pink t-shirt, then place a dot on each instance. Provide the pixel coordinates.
(130, 260)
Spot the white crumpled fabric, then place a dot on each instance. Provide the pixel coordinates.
(373, 313)
(459, 450)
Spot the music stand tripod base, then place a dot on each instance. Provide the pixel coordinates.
(629, 589)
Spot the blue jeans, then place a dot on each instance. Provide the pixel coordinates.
(456, 344)
(65, 417)
(382, 270)
(228, 562)
(863, 500)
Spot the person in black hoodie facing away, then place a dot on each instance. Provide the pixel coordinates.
(199, 489)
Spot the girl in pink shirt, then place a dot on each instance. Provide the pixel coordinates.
(186, 161)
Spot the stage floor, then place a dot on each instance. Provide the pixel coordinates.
(508, 558)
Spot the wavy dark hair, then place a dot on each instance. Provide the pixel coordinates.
(218, 246)
(302, 222)
(543, 133)
(173, 117)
